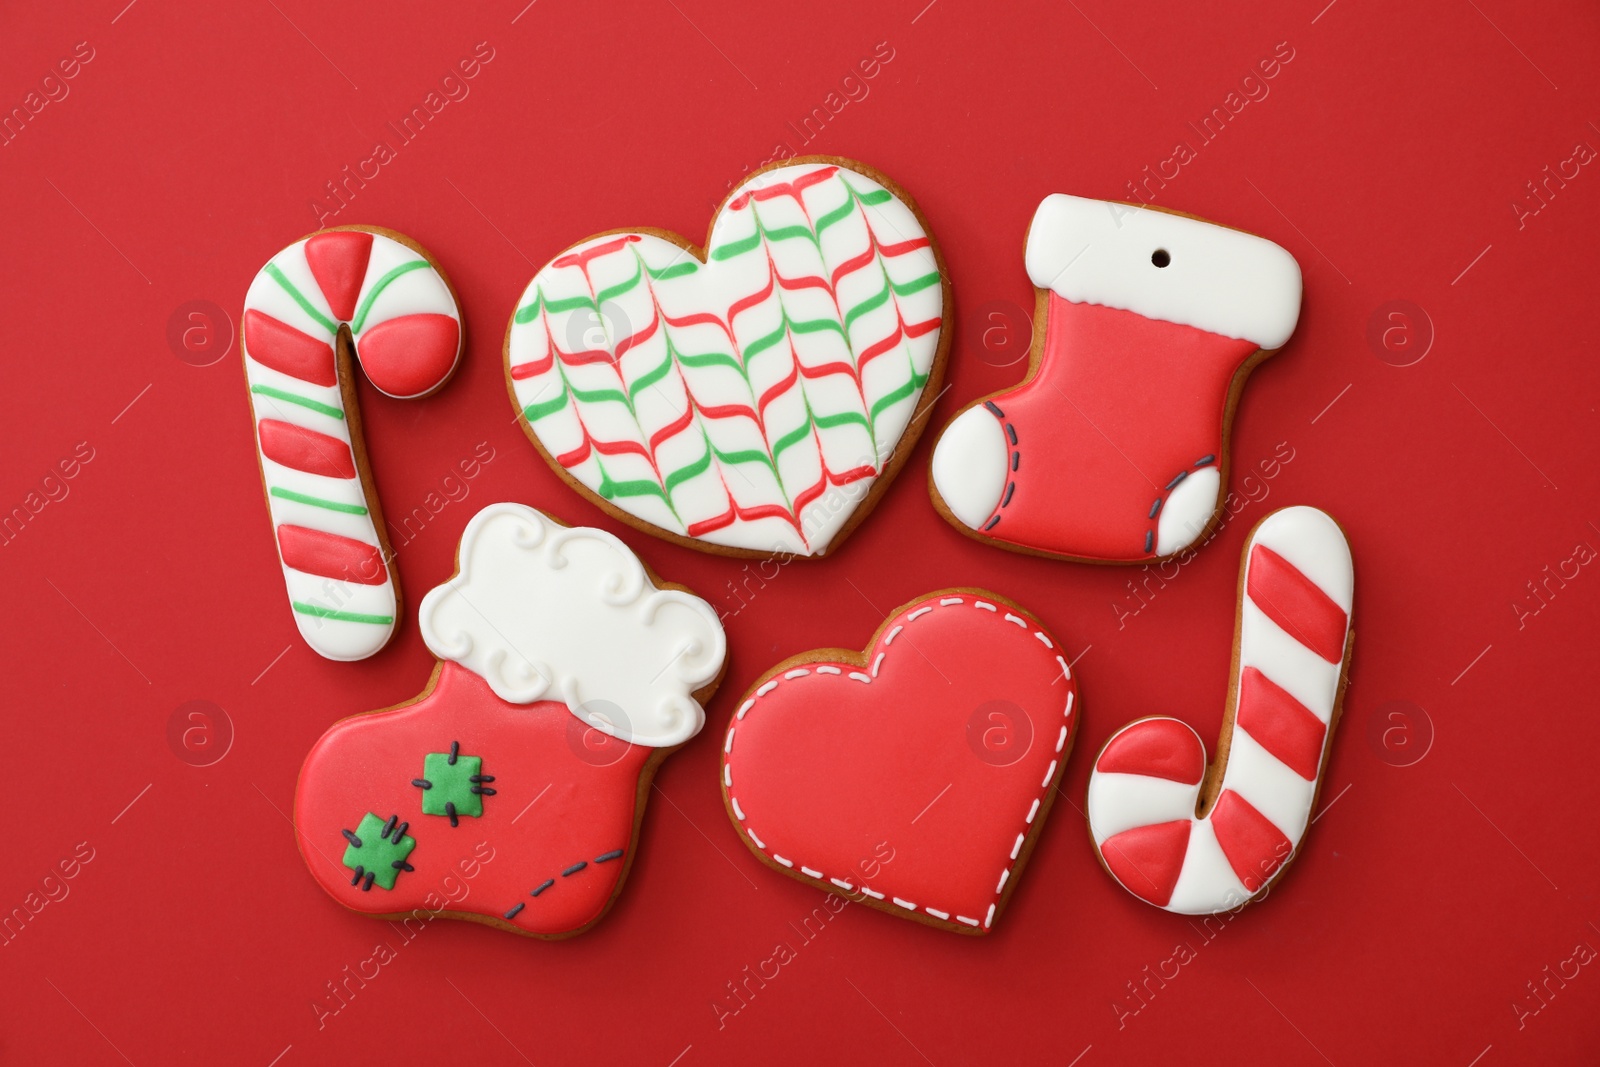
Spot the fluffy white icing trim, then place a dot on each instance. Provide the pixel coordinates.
(1216, 279)
(547, 612)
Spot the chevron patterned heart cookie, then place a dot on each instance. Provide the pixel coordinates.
(753, 398)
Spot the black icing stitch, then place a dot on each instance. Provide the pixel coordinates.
(350, 836)
(518, 906)
(1204, 460)
(450, 810)
(546, 884)
(1177, 481)
(1010, 488)
(422, 783)
(606, 857)
(455, 750)
(991, 524)
(1155, 508)
(995, 408)
(1149, 540)
(575, 868)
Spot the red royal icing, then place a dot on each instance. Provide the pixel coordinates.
(938, 761)
(410, 355)
(331, 555)
(338, 260)
(1294, 602)
(285, 349)
(1119, 407)
(564, 794)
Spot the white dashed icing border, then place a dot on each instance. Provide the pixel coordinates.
(767, 687)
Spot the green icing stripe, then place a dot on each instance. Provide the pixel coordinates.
(838, 214)
(873, 197)
(843, 418)
(304, 401)
(535, 412)
(915, 285)
(383, 283)
(789, 233)
(638, 487)
(817, 325)
(793, 437)
(761, 344)
(871, 303)
(621, 287)
(652, 376)
(737, 248)
(683, 474)
(317, 501)
(527, 314)
(887, 400)
(677, 270)
(596, 396)
(710, 359)
(340, 616)
(746, 455)
(305, 305)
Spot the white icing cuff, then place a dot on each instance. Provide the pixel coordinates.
(547, 612)
(1215, 279)
(969, 465)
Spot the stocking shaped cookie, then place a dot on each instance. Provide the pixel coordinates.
(1198, 841)
(915, 776)
(511, 790)
(1114, 449)
(753, 398)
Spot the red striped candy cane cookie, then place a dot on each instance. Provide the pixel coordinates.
(1197, 842)
(352, 289)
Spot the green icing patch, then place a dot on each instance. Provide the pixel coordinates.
(376, 851)
(452, 784)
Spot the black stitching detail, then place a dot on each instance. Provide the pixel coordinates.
(995, 408)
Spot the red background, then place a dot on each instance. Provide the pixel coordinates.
(1386, 158)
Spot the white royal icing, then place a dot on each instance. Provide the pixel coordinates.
(1217, 279)
(640, 326)
(547, 612)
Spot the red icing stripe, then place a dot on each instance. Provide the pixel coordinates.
(778, 389)
(331, 556)
(410, 355)
(1294, 602)
(1255, 848)
(1280, 723)
(286, 350)
(639, 338)
(850, 266)
(760, 511)
(1157, 748)
(855, 474)
(1148, 859)
(583, 258)
(676, 426)
(745, 303)
(339, 263)
(793, 189)
(533, 368)
(902, 247)
(305, 450)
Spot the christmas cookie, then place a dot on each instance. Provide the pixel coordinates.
(568, 672)
(914, 776)
(1114, 449)
(377, 294)
(753, 398)
(1194, 840)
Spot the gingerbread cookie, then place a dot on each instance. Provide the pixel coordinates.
(568, 672)
(914, 776)
(1197, 841)
(377, 294)
(1114, 449)
(754, 398)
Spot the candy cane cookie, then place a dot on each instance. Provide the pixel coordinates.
(1196, 841)
(379, 295)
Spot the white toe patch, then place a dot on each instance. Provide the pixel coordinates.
(1187, 510)
(969, 465)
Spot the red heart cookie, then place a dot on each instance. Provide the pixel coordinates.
(913, 776)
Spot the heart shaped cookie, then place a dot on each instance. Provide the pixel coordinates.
(755, 398)
(913, 776)
(511, 790)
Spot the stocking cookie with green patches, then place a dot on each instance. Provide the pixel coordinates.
(510, 792)
(753, 398)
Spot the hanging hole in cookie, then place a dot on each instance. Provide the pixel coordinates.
(1160, 257)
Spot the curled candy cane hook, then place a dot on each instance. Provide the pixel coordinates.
(377, 295)
(1197, 841)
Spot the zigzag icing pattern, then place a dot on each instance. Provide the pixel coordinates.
(1294, 625)
(749, 401)
(406, 331)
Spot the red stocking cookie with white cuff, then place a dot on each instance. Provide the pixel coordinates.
(915, 776)
(511, 790)
(1114, 449)
(1197, 841)
(752, 398)
(378, 295)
